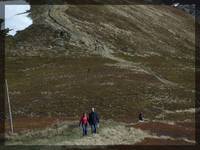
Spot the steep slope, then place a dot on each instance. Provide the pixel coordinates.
(137, 28)
(120, 59)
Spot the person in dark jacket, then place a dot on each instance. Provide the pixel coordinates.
(84, 122)
(141, 117)
(93, 120)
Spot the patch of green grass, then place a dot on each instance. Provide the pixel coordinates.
(180, 116)
(64, 86)
(167, 67)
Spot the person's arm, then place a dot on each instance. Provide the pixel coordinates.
(88, 123)
(89, 119)
(97, 117)
(97, 120)
(80, 121)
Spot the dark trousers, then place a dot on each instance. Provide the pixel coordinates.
(94, 128)
(84, 127)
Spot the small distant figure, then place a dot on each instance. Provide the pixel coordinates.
(84, 122)
(61, 34)
(94, 120)
(88, 71)
(141, 117)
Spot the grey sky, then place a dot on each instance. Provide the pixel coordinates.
(15, 21)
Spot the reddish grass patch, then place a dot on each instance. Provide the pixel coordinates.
(152, 141)
(175, 131)
(32, 123)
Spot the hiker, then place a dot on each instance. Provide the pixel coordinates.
(61, 34)
(93, 121)
(88, 71)
(84, 123)
(141, 117)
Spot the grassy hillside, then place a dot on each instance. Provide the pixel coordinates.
(119, 59)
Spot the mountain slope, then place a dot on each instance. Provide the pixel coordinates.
(120, 59)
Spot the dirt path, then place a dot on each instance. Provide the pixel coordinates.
(59, 19)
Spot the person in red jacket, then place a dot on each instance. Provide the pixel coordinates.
(84, 123)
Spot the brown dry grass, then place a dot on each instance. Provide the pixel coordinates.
(175, 131)
(152, 141)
